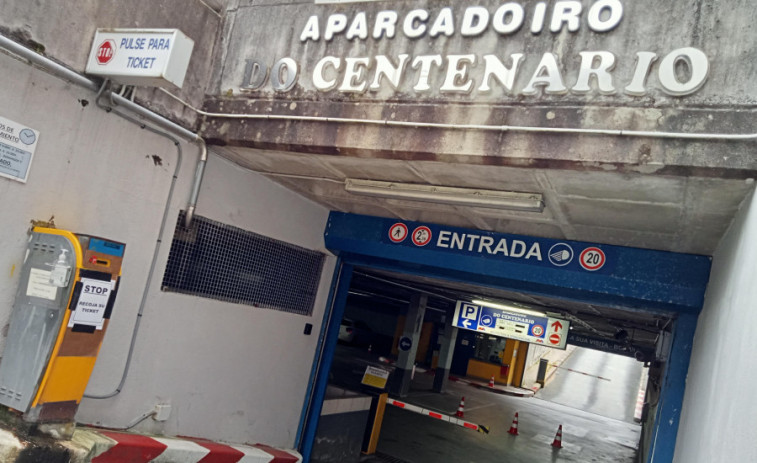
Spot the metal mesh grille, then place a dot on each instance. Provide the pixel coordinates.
(218, 261)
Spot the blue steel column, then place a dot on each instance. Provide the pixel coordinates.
(400, 381)
(671, 394)
(329, 335)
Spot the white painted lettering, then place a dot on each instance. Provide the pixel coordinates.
(284, 74)
(501, 247)
(644, 60)
(336, 24)
(414, 25)
(319, 81)
(475, 21)
(566, 12)
(457, 80)
(444, 24)
(354, 78)
(547, 75)
(425, 62)
(516, 14)
(540, 12)
(694, 68)
(385, 67)
(486, 243)
(443, 240)
(472, 241)
(612, 18)
(386, 22)
(358, 28)
(517, 248)
(310, 31)
(605, 63)
(458, 241)
(535, 251)
(493, 67)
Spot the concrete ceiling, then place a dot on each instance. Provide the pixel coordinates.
(672, 213)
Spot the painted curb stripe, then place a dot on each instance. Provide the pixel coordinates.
(135, 448)
(180, 451)
(253, 455)
(219, 453)
(279, 456)
(130, 447)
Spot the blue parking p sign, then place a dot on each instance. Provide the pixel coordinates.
(468, 316)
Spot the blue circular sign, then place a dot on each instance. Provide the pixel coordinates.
(405, 343)
(487, 320)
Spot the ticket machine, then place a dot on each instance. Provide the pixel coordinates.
(68, 284)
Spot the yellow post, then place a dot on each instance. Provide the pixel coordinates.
(378, 419)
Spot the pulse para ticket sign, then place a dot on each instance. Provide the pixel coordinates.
(546, 331)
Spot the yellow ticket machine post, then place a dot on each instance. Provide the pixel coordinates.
(68, 285)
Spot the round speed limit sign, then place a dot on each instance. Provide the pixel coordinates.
(592, 259)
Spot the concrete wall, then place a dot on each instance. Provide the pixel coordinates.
(719, 414)
(646, 26)
(227, 370)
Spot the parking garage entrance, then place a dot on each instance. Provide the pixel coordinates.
(631, 302)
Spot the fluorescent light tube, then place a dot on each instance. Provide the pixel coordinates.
(510, 308)
(511, 200)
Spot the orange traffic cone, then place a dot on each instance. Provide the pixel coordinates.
(557, 443)
(460, 409)
(514, 427)
(491, 382)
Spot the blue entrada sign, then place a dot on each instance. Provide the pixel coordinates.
(523, 249)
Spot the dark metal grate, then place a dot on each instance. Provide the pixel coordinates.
(219, 261)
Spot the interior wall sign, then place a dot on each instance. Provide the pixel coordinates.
(518, 72)
(17, 146)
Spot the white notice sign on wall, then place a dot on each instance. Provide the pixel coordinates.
(17, 145)
(93, 300)
(39, 285)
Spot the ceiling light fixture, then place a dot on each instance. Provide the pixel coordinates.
(510, 200)
(510, 308)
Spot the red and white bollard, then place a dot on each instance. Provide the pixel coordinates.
(491, 381)
(557, 443)
(461, 408)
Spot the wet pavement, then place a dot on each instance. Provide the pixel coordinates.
(586, 437)
(596, 382)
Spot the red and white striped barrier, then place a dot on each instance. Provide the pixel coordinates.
(136, 448)
(641, 395)
(438, 416)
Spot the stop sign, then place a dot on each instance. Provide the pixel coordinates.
(105, 52)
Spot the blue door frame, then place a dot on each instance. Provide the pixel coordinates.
(621, 277)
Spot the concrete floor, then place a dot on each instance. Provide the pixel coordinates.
(587, 436)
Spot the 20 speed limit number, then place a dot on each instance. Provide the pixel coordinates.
(592, 259)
